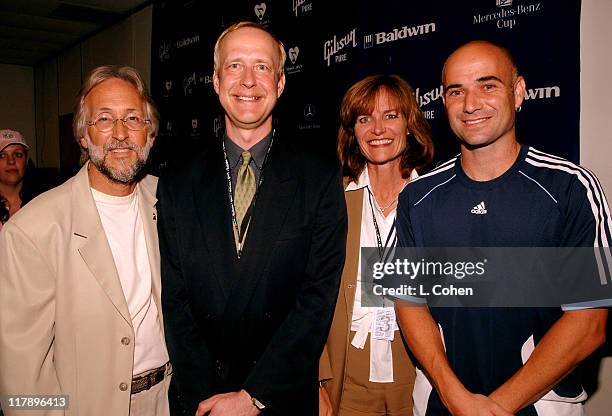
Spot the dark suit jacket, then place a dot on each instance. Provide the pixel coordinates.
(258, 323)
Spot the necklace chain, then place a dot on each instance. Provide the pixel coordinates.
(386, 207)
(390, 204)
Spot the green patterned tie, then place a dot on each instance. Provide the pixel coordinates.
(245, 188)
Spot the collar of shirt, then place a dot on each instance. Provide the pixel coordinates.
(364, 180)
(258, 152)
(112, 199)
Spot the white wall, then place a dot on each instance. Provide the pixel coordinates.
(17, 104)
(595, 132)
(596, 90)
(47, 123)
(58, 80)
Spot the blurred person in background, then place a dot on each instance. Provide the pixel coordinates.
(13, 166)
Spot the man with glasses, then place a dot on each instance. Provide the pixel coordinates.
(79, 269)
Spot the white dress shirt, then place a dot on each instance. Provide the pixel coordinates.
(381, 358)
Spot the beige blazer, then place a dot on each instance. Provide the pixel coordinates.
(64, 321)
(332, 366)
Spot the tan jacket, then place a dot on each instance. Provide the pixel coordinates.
(64, 321)
(332, 366)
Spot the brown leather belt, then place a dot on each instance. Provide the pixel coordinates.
(148, 380)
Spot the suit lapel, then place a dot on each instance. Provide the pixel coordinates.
(146, 201)
(354, 208)
(212, 204)
(95, 251)
(273, 202)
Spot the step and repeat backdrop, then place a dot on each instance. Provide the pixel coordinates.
(332, 44)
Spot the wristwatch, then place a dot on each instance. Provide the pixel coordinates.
(259, 405)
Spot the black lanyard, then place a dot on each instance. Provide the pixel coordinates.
(383, 252)
(241, 233)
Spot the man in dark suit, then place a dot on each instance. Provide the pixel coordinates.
(252, 235)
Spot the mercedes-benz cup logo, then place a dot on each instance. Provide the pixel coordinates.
(260, 10)
(293, 54)
(503, 3)
(194, 123)
(310, 110)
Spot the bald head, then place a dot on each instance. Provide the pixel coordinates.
(482, 48)
(482, 91)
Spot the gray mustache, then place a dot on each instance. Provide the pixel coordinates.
(116, 144)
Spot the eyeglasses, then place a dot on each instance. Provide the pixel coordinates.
(105, 122)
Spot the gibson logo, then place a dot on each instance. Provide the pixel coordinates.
(335, 45)
(429, 96)
(301, 5)
(297, 4)
(217, 126)
(188, 82)
(164, 51)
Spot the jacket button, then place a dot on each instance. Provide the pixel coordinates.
(123, 386)
(125, 341)
(350, 286)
